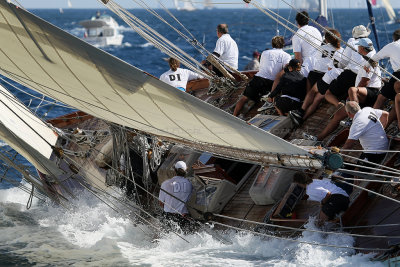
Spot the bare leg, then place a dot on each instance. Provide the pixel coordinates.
(322, 218)
(239, 105)
(358, 94)
(397, 107)
(279, 111)
(379, 102)
(311, 109)
(331, 98)
(392, 116)
(397, 87)
(333, 124)
(309, 99)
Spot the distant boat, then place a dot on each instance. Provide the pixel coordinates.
(187, 5)
(102, 30)
(389, 10)
(61, 10)
(69, 4)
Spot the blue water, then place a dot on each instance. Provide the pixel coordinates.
(94, 235)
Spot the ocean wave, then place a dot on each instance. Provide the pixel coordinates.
(146, 45)
(92, 231)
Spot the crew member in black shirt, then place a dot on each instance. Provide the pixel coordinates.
(292, 89)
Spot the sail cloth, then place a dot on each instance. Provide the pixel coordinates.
(26, 133)
(63, 67)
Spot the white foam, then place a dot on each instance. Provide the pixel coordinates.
(146, 45)
(16, 195)
(92, 232)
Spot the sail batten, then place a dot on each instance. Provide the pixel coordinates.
(104, 86)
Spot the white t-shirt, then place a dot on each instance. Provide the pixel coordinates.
(373, 74)
(352, 60)
(367, 128)
(179, 78)
(391, 51)
(181, 188)
(312, 34)
(318, 189)
(334, 72)
(320, 61)
(272, 62)
(227, 50)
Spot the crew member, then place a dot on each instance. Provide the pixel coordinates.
(254, 64)
(178, 77)
(272, 62)
(175, 192)
(226, 50)
(332, 198)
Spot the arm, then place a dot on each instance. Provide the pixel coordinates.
(349, 144)
(278, 88)
(384, 118)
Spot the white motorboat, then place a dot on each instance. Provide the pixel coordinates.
(102, 30)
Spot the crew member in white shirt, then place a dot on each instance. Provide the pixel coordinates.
(178, 77)
(226, 50)
(368, 81)
(391, 89)
(332, 198)
(368, 127)
(271, 63)
(302, 49)
(175, 192)
(351, 63)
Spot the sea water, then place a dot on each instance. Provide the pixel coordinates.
(92, 234)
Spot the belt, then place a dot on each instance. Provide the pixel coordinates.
(291, 97)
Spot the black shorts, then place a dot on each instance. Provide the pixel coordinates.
(340, 87)
(375, 158)
(323, 86)
(314, 76)
(286, 104)
(372, 95)
(388, 89)
(335, 204)
(257, 87)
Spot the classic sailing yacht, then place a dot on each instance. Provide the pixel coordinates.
(241, 171)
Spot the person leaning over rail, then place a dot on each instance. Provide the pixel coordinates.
(226, 50)
(178, 77)
(174, 194)
(368, 127)
(333, 199)
(272, 62)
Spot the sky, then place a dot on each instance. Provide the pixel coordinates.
(169, 3)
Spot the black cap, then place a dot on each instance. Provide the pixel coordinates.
(294, 63)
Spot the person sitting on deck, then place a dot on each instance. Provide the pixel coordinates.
(272, 62)
(174, 193)
(325, 70)
(391, 90)
(254, 64)
(226, 50)
(368, 127)
(291, 89)
(338, 90)
(178, 77)
(332, 198)
(365, 92)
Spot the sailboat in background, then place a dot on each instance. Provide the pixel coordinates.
(69, 3)
(390, 11)
(187, 5)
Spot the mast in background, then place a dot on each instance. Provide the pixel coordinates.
(373, 25)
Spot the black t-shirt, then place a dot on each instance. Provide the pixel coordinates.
(292, 83)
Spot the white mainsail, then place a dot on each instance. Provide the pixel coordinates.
(63, 67)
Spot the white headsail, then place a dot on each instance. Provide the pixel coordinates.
(63, 67)
(26, 133)
(389, 10)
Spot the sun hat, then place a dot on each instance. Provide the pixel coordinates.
(180, 165)
(360, 31)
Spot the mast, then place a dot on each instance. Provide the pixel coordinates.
(372, 20)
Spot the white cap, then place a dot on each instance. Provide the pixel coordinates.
(180, 165)
(360, 31)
